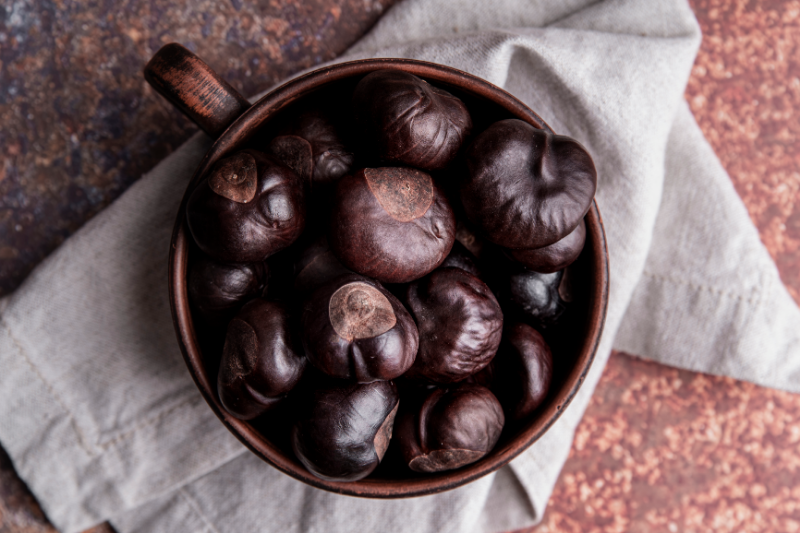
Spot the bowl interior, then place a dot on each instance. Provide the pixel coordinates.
(573, 342)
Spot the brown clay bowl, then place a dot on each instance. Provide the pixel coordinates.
(220, 111)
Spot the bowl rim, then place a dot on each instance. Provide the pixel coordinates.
(241, 130)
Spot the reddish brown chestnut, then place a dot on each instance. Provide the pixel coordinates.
(460, 257)
(261, 360)
(521, 371)
(294, 152)
(556, 256)
(526, 188)
(316, 265)
(217, 289)
(460, 325)
(451, 429)
(355, 329)
(345, 429)
(392, 224)
(248, 208)
(410, 121)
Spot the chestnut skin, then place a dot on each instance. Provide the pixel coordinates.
(460, 325)
(216, 289)
(462, 258)
(554, 257)
(353, 328)
(535, 295)
(345, 429)
(450, 429)
(330, 158)
(521, 372)
(409, 121)
(391, 224)
(316, 265)
(261, 360)
(249, 207)
(526, 188)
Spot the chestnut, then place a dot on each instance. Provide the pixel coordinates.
(556, 256)
(345, 429)
(535, 295)
(315, 265)
(353, 328)
(407, 120)
(294, 152)
(329, 157)
(460, 257)
(261, 360)
(524, 187)
(450, 429)
(217, 289)
(249, 207)
(521, 372)
(391, 224)
(460, 325)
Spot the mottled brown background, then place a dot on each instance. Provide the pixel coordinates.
(659, 449)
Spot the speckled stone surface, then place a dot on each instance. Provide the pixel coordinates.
(659, 449)
(79, 123)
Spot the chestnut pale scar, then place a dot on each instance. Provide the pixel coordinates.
(235, 178)
(384, 434)
(404, 193)
(239, 353)
(360, 311)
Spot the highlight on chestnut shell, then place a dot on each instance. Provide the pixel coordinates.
(392, 224)
(353, 328)
(554, 257)
(526, 188)
(407, 120)
(344, 430)
(217, 289)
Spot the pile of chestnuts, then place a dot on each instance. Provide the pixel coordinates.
(381, 274)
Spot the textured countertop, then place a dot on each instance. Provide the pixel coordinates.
(659, 449)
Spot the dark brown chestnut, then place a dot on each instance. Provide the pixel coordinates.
(261, 360)
(249, 207)
(294, 152)
(460, 325)
(392, 224)
(330, 159)
(535, 295)
(216, 289)
(556, 256)
(353, 328)
(452, 428)
(345, 429)
(521, 371)
(407, 120)
(315, 265)
(460, 257)
(524, 187)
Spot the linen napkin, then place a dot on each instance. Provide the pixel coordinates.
(103, 422)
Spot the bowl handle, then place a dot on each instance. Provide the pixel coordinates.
(190, 85)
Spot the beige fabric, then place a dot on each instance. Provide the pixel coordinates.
(103, 422)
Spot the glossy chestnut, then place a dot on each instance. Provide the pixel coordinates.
(460, 325)
(407, 120)
(450, 429)
(345, 428)
(331, 159)
(521, 371)
(460, 257)
(261, 360)
(315, 265)
(392, 224)
(525, 187)
(535, 295)
(355, 329)
(554, 257)
(217, 289)
(249, 207)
